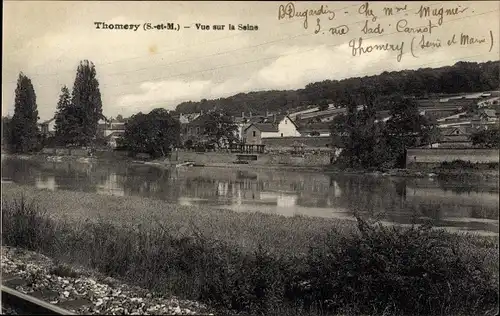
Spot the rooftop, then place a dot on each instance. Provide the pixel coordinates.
(265, 127)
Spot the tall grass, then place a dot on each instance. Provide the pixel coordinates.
(375, 270)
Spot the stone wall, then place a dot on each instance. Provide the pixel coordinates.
(287, 142)
(307, 159)
(430, 156)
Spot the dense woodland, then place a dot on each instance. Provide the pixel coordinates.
(421, 83)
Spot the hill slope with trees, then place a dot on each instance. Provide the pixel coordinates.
(463, 77)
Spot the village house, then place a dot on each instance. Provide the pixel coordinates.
(280, 126)
(185, 120)
(47, 128)
(111, 130)
(484, 117)
(194, 131)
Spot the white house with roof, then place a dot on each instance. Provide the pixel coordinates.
(281, 126)
(47, 127)
(284, 126)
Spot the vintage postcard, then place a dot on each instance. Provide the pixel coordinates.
(250, 157)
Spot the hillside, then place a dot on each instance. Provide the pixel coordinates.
(426, 82)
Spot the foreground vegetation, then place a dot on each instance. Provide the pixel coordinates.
(366, 269)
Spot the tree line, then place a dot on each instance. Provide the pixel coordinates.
(421, 83)
(76, 117)
(367, 143)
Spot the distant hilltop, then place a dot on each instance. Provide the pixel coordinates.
(424, 83)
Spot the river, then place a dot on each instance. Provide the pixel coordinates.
(459, 205)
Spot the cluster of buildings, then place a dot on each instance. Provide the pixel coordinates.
(455, 120)
(255, 129)
(108, 129)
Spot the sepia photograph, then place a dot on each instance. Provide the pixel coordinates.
(250, 158)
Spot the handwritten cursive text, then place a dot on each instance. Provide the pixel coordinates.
(358, 49)
(289, 11)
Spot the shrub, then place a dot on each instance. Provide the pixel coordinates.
(377, 270)
(409, 271)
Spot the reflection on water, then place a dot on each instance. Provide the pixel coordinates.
(468, 204)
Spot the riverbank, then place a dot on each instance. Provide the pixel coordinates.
(256, 263)
(85, 291)
(401, 173)
(457, 172)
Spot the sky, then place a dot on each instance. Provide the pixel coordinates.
(146, 69)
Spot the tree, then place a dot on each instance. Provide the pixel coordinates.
(86, 103)
(65, 119)
(220, 128)
(119, 118)
(462, 77)
(6, 131)
(24, 129)
(489, 138)
(155, 133)
(407, 128)
(471, 108)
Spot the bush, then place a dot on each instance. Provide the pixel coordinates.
(391, 270)
(458, 164)
(408, 271)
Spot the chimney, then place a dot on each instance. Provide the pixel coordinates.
(250, 114)
(232, 119)
(201, 112)
(242, 114)
(267, 113)
(274, 118)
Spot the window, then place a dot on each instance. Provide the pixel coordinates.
(286, 121)
(281, 134)
(197, 130)
(254, 133)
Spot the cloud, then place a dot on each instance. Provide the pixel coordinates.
(296, 67)
(168, 93)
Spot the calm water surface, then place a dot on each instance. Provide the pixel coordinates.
(464, 205)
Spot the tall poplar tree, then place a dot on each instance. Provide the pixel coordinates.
(86, 103)
(65, 120)
(24, 129)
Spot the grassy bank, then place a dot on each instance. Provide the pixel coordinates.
(256, 264)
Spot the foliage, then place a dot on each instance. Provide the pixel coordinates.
(6, 131)
(86, 105)
(458, 164)
(154, 133)
(65, 119)
(24, 130)
(471, 108)
(424, 82)
(407, 128)
(371, 144)
(489, 138)
(220, 128)
(376, 270)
